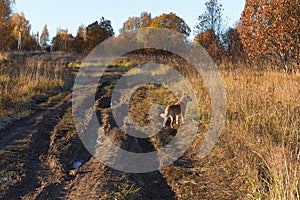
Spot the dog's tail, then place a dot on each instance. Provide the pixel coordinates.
(165, 115)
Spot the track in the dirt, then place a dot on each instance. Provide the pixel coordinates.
(35, 131)
(28, 142)
(153, 184)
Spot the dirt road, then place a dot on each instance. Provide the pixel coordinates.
(42, 157)
(38, 154)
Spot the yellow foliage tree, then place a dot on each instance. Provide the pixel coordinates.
(171, 21)
(210, 41)
(62, 41)
(271, 30)
(22, 26)
(7, 42)
(134, 23)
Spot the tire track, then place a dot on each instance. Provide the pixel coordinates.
(35, 130)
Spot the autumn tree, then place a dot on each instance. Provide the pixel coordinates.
(168, 21)
(7, 41)
(134, 23)
(208, 29)
(62, 41)
(97, 32)
(44, 39)
(171, 21)
(22, 26)
(270, 30)
(81, 32)
(210, 41)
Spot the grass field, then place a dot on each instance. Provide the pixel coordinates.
(26, 81)
(263, 118)
(260, 140)
(257, 155)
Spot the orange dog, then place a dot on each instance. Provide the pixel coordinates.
(173, 111)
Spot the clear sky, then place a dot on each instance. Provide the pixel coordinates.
(71, 14)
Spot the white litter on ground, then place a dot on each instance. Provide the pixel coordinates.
(77, 164)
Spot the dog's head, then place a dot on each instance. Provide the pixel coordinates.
(187, 97)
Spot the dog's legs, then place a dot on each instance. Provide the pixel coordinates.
(171, 123)
(164, 123)
(177, 119)
(182, 119)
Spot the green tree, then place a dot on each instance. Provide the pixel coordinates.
(79, 43)
(97, 32)
(211, 19)
(233, 45)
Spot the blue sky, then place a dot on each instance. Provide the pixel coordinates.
(71, 14)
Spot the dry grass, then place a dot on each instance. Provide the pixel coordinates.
(261, 133)
(258, 154)
(264, 119)
(27, 80)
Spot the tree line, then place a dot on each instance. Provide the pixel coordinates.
(268, 31)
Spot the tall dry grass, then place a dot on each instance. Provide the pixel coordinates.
(261, 131)
(264, 119)
(24, 80)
